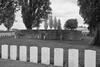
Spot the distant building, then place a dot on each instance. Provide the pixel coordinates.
(84, 30)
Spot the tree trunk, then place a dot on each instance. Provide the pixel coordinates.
(29, 28)
(8, 29)
(96, 40)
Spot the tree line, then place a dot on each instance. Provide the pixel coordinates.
(53, 24)
(90, 11)
(33, 12)
(70, 24)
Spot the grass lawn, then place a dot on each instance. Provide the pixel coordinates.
(81, 45)
(11, 63)
(45, 43)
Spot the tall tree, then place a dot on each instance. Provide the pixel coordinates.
(55, 23)
(7, 12)
(50, 22)
(71, 24)
(45, 25)
(33, 11)
(9, 22)
(90, 11)
(59, 24)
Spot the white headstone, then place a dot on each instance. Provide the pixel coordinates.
(13, 52)
(23, 53)
(44, 37)
(34, 54)
(45, 55)
(73, 58)
(4, 52)
(38, 37)
(90, 58)
(58, 56)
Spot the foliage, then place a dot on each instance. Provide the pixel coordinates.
(7, 12)
(51, 22)
(71, 24)
(55, 23)
(33, 11)
(9, 22)
(45, 25)
(90, 11)
(59, 24)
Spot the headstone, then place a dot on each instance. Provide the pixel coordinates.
(73, 55)
(58, 56)
(13, 52)
(23, 53)
(4, 52)
(90, 58)
(44, 37)
(34, 54)
(38, 36)
(45, 55)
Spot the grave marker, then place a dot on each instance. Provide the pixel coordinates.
(34, 54)
(58, 56)
(73, 55)
(45, 55)
(13, 52)
(4, 52)
(23, 53)
(90, 58)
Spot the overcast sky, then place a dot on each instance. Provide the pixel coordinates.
(62, 9)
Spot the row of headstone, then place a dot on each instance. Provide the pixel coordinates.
(73, 55)
(40, 37)
(7, 34)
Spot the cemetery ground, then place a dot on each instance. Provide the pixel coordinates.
(81, 45)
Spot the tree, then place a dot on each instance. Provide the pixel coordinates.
(7, 12)
(9, 22)
(55, 23)
(59, 24)
(71, 24)
(33, 11)
(51, 22)
(90, 11)
(45, 25)
(59, 32)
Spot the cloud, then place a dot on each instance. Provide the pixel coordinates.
(72, 1)
(63, 7)
(66, 9)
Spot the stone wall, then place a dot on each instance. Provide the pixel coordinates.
(50, 34)
(72, 35)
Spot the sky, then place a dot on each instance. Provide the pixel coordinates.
(62, 9)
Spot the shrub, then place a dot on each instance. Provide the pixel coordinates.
(71, 24)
